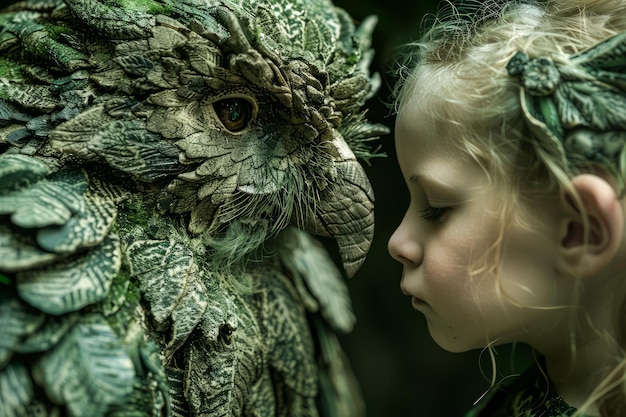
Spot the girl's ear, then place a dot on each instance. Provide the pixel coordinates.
(592, 228)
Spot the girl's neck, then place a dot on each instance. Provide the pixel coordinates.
(587, 350)
(576, 376)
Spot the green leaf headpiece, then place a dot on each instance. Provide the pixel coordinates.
(577, 107)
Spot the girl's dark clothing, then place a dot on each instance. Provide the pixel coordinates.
(528, 395)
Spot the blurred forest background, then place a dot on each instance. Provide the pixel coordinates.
(402, 372)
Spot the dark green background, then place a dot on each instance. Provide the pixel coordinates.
(401, 370)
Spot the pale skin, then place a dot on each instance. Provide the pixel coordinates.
(552, 288)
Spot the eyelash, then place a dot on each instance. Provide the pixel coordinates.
(433, 214)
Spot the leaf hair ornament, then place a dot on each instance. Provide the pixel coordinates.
(577, 106)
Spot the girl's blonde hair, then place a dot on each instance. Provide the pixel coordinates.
(457, 75)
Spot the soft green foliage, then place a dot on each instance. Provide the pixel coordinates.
(162, 165)
(144, 6)
(9, 70)
(576, 107)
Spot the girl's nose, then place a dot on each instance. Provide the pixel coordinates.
(403, 246)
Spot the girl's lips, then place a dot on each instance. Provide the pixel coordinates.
(415, 301)
(418, 302)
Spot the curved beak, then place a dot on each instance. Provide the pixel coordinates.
(346, 212)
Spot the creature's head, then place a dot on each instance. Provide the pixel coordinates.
(247, 113)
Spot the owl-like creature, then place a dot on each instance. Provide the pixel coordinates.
(164, 165)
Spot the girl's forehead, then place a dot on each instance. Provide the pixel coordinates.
(430, 155)
(415, 119)
(433, 105)
(417, 127)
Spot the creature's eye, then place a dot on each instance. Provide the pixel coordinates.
(234, 113)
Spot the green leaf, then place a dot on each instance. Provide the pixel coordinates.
(73, 283)
(162, 268)
(291, 351)
(316, 277)
(17, 251)
(85, 229)
(43, 204)
(18, 321)
(16, 390)
(48, 335)
(19, 170)
(88, 371)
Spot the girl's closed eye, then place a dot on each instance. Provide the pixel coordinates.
(433, 214)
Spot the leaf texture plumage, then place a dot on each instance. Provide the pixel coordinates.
(163, 167)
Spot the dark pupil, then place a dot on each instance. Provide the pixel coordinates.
(234, 110)
(234, 113)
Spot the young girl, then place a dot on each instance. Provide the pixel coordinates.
(510, 133)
